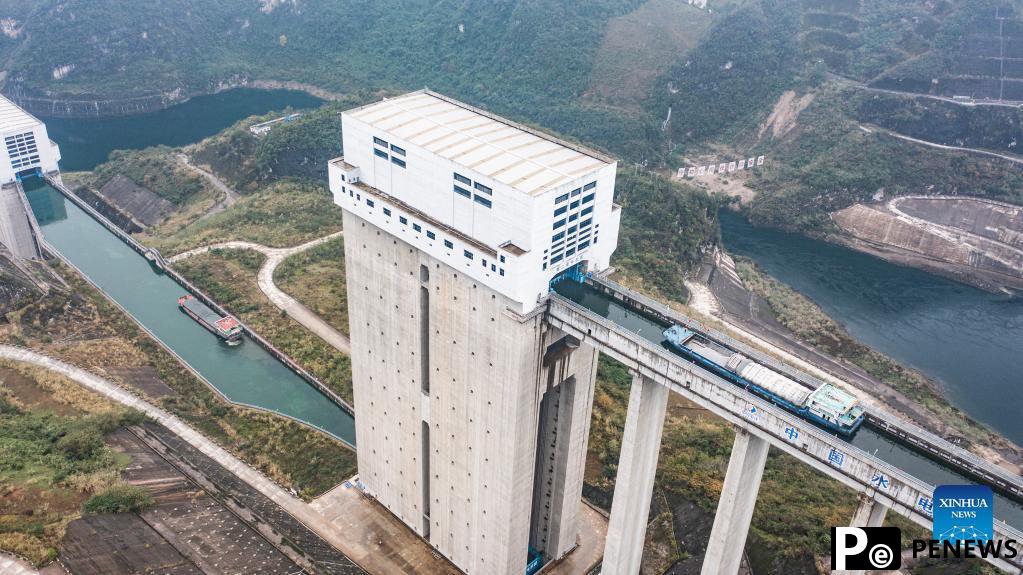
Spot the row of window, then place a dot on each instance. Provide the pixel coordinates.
(576, 192)
(429, 233)
(578, 239)
(478, 198)
(22, 150)
(575, 204)
(395, 151)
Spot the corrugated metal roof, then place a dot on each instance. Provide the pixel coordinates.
(13, 118)
(515, 155)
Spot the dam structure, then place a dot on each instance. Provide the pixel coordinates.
(26, 151)
(474, 378)
(473, 412)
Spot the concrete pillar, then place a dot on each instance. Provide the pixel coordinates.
(869, 513)
(634, 486)
(735, 507)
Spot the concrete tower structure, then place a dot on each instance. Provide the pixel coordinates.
(472, 413)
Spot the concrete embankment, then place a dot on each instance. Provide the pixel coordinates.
(971, 240)
(157, 260)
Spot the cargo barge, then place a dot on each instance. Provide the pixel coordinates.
(827, 406)
(226, 327)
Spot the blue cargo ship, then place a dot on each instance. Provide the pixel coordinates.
(827, 406)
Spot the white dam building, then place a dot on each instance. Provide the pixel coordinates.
(473, 413)
(27, 151)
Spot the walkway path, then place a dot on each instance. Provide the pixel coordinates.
(274, 256)
(230, 196)
(377, 545)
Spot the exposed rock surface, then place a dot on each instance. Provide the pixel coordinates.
(976, 241)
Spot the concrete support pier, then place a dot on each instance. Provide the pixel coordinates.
(637, 465)
(735, 507)
(870, 513)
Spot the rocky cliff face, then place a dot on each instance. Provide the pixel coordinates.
(971, 240)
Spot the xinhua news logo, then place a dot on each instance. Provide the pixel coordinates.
(963, 529)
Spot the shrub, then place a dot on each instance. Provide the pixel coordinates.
(119, 499)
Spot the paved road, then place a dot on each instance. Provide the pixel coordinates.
(13, 566)
(359, 541)
(230, 196)
(274, 256)
(1011, 158)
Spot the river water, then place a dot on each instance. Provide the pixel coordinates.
(968, 340)
(246, 374)
(866, 439)
(86, 142)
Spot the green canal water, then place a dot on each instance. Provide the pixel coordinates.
(246, 374)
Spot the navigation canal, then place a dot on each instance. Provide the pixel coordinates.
(968, 340)
(246, 374)
(866, 439)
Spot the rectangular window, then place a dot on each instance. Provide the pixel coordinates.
(561, 199)
(502, 259)
(398, 162)
(502, 272)
(358, 197)
(484, 189)
(342, 177)
(380, 154)
(397, 150)
(590, 186)
(586, 223)
(559, 223)
(448, 244)
(369, 202)
(557, 236)
(573, 217)
(558, 246)
(576, 192)
(462, 192)
(467, 254)
(417, 227)
(560, 211)
(493, 268)
(379, 142)
(482, 201)
(403, 220)
(431, 235)
(571, 229)
(557, 259)
(569, 252)
(584, 245)
(351, 194)
(463, 179)
(575, 204)
(587, 210)
(545, 265)
(587, 198)
(387, 212)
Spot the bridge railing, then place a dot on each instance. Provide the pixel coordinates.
(893, 487)
(894, 425)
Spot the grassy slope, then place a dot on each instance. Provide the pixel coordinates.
(52, 457)
(229, 277)
(317, 279)
(281, 214)
(90, 332)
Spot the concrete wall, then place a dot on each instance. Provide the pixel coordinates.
(481, 410)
